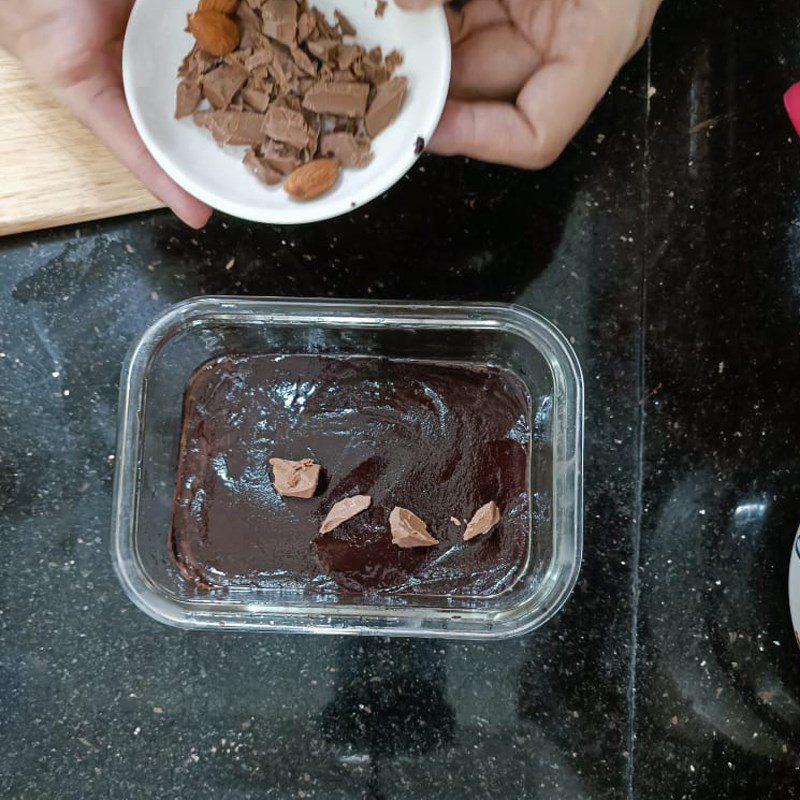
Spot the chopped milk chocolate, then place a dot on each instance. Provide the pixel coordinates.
(257, 99)
(279, 20)
(341, 99)
(344, 510)
(484, 519)
(348, 149)
(345, 26)
(286, 125)
(281, 157)
(384, 109)
(222, 83)
(408, 530)
(293, 91)
(295, 478)
(233, 127)
(262, 169)
(394, 60)
(189, 96)
(380, 7)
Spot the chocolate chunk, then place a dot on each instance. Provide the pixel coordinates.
(281, 157)
(246, 16)
(347, 54)
(304, 27)
(286, 125)
(386, 106)
(408, 530)
(323, 27)
(323, 49)
(301, 85)
(419, 146)
(263, 171)
(253, 39)
(257, 99)
(278, 73)
(346, 148)
(279, 20)
(197, 59)
(261, 58)
(344, 510)
(380, 7)
(189, 66)
(232, 127)
(484, 519)
(295, 478)
(393, 60)
(188, 97)
(342, 99)
(221, 84)
(376, 74)
(303, 61)
(345, 26)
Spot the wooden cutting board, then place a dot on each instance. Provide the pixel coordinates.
(52, 170)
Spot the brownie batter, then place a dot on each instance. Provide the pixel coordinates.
(439, 439)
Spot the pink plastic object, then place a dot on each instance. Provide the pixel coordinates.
(792, 102)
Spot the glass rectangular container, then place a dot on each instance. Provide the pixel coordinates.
(154, 377)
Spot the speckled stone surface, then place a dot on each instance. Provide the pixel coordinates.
(667, 248)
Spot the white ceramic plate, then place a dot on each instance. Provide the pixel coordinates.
(794, 587)
(155, 44)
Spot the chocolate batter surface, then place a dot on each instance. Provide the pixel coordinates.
(439, 439)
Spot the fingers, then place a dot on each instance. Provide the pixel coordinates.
(489, 131)
(101, 107)
(477, 14)
(531, 134)
(494, 63)
(549, 110)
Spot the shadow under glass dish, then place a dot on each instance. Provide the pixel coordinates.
(154, 379)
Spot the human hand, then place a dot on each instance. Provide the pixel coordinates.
(527, 73)
(74, 49)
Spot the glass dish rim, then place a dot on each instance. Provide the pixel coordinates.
(417, 622)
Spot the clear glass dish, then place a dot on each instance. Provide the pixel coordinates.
(154, 377)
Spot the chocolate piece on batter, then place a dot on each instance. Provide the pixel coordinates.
(295, 478)
(408, 530)
(344, 510)
(483, 520)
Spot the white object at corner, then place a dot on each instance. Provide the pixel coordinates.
(794, 587)
(155, 44)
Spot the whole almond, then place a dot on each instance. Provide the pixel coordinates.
(215, 33)
(312, 179)
(223, 6)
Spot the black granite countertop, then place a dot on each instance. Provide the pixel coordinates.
(666, 245)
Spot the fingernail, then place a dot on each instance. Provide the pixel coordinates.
(792, 102)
